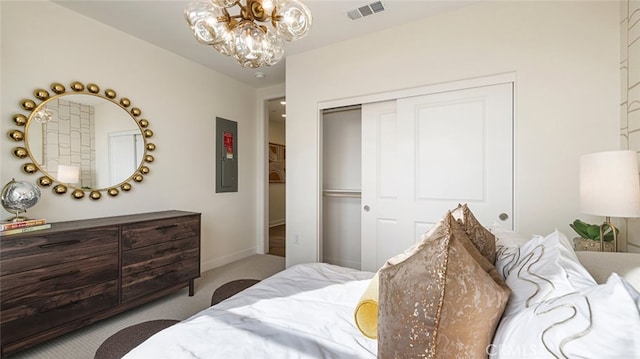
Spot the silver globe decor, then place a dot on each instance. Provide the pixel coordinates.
(17, 196)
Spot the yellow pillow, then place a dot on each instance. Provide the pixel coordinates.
(366, 313)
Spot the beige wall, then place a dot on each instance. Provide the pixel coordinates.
(44, 43)
(630, 100)
(564, 56)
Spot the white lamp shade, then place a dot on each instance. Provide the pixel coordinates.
(68, 174)
(610, 184)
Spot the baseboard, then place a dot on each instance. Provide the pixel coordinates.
(220, 261)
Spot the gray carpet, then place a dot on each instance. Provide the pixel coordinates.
(83, 343)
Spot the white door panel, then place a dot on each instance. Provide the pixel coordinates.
(443, 167)
(380, 190)
(440, 150)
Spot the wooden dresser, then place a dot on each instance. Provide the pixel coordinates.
(60, 279)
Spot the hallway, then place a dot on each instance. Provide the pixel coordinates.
(277, 240)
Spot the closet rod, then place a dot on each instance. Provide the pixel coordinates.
(342, 193)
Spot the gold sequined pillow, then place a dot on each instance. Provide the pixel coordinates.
(440, 298)
(481, 237)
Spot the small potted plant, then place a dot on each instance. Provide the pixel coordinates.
(589, 239)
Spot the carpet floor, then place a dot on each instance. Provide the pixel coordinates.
(83, 343)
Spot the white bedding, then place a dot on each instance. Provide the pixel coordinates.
(305, 311)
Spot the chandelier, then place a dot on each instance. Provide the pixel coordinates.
(43, 115)
(256, 35)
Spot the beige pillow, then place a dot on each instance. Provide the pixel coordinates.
(440, 298)
(481, 237)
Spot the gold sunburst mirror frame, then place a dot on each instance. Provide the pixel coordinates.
(38, 112)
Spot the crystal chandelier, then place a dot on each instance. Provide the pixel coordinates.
(44, 115)
(255, 36)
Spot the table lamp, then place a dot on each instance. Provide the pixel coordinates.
(68, 174)
(610, 187)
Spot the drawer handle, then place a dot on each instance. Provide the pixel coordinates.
(49, 277)
(167, 273)
(162, 228)
(166, 250)
(70, 304)
(58, 244)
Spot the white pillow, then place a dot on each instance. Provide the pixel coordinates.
(507, 237)
(633, 277)
(546, 267)
(601, 321)
(508, 244)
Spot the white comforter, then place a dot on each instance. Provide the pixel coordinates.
(305, 311)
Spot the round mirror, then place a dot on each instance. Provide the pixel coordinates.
(87, 141)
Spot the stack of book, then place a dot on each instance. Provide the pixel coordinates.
(7, 227)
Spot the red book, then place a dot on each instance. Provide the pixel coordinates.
(5, 226)
(25, 229)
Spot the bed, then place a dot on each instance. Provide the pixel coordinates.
(458, 305)
(305, 311)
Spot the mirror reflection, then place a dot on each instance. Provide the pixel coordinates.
(85, 141)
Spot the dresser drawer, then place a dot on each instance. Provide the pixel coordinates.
(150, 257)
(40, 313)
(23, 288)
(145, 283)
(147, 233)
(37, 251)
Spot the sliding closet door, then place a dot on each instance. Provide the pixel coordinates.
(381, 220)
(431, 153)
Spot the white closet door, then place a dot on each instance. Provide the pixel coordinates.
(431, 153)
(381, 181)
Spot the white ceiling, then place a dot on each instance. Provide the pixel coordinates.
(161, 22)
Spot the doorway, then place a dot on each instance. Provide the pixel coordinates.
(341, 186)
(125, 155)
(277, 169)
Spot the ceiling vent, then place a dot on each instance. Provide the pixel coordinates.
(366, 10)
